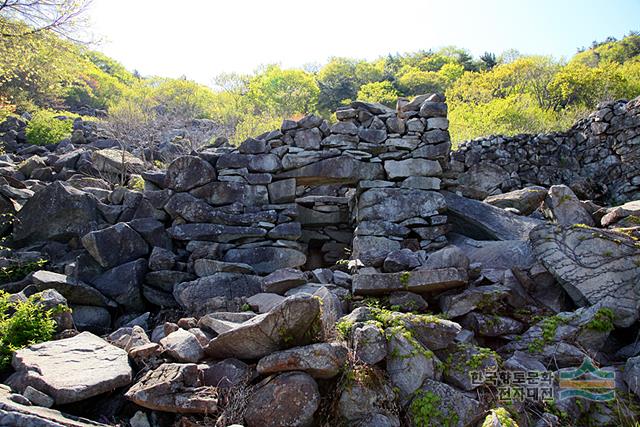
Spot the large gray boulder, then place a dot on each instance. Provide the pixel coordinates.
(632, 374)
(398, 204)
(266, 259)
(174, 387)
(525, 200)
(321, 360)
(115, 245)
(289, 399)
(343, 169)
(218, 291)
(564, 207)
(214, 232)
(421, 280)
(289, 324)
(124, 284)
(112, 161)
(497, 254)
(593, 266)
(482, 180)
(482, 221)
(73, 369)
(454, 408)
(68, 212)
(188, 172)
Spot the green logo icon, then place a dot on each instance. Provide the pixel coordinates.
(587, 382)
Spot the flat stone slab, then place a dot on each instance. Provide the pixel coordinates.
(418, 281)
(73, 369)
(482, 221)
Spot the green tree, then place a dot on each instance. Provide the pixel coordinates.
(337, 83)
(283, 93)
(382, 92)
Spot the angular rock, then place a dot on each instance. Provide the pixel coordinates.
(593, 266)
(506, 254)
(462, 359)
(618, 213)
(402, 260)
(412, 167)
(632, 374)
(414, 281)
(207, 267)
(115, 245)
(289, 399)
(525, 201)
(264, 302)
(220, 290)
(454, 408)
(174, 387)
(123, 284)
(482, 297)
(398, 204)
(485, 222)
(408, 363)
(267, 259)
(482, 180)
(73, 369)
(369, 344)
(491, 325)
(69, 213)
(226, 373)
(280, 281)
(562, 205)
(364, 399)
(117, 162)
(344, 169)
(407, 301)
(188, 172)
(285, 326)
(372, 250)
(321, 361)
(161, 259)
(183, 346)
(214, 232)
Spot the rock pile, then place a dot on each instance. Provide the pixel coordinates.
(315, 275)
(598, 158)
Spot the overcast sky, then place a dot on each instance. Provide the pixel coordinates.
(200, 38)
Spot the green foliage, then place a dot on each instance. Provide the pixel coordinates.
(15, 272)
(382, 92)
(47, 128)
(344, 328)
(426, 411)
(283, 92)
(602, 321)
(22, 324)
(502, 416)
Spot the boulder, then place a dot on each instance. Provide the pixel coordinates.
(287, 325)
(280, 281)
(593, 266)
(174, 387)
(207, 267)
(398, 204)
(214, 232)
(503, 255)
(463, 358)
(123, 284)
(483, 297)
(632, 374)
(373, 250)
(226, 373)
(412, 167)
(188, 172)
(618, 213)
(321, 361)
(69, 213)
(397, 261)
(369, 344)
(365, 399)
(289, 399)
(115, 245)
(215, 292)
(111, 161)
(525, 200)
(562, 205)
(264, 302)
(421, 280)
(74, 291)
(266, 259)
(482, 221)
(454, 408)
(73, 369)
(408, 362)
(343, 169)
(482, 180)
(183, 346)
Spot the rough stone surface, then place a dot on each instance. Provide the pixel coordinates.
(174, 387)
(187, 172)
(525, 200)
(285, 326)
(115, 245)
(321, 361)
(220, 290)
(289, 399)
(415, 281)
(73, 369)
(593, 266)
(183, 346)
(562, 205)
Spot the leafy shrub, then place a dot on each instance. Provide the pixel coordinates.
(44, 128)
(15, 272)
(22, 323)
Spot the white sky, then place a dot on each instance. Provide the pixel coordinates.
(201, 38)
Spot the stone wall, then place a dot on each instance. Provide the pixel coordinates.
(599, 158)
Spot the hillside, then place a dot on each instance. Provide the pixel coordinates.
(508, 94)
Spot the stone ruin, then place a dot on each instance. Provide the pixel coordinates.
(298, 268)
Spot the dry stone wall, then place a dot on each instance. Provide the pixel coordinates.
(599, 158)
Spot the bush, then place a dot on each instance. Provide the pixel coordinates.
(22, 323)
(45, 128)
